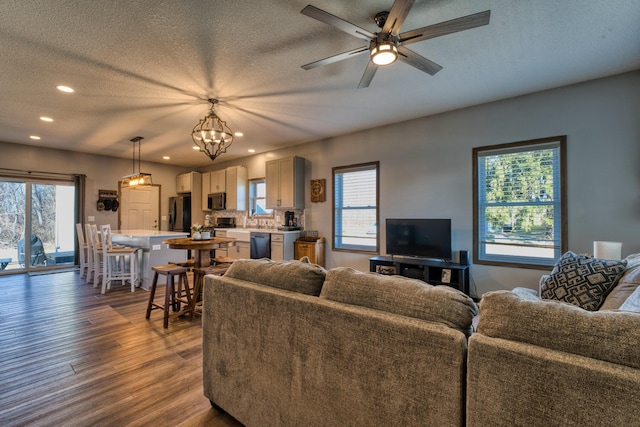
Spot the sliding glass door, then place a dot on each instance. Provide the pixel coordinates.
(37, 224)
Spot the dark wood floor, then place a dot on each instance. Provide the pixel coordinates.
(71, 356)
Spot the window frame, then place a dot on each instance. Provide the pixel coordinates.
(479, 255)
(252, 200)
(334, 241)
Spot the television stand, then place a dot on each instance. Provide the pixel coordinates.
(427, 270)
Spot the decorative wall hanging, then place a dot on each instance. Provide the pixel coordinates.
(317, 190)
(107, 200)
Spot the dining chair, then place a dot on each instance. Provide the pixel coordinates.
(113, 265)
(83, 252)
(92, 276)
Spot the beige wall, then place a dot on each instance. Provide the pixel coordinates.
(103, 173)
(425, 167)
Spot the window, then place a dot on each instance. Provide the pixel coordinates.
(355, 208)
(257, 198)
(519, 203)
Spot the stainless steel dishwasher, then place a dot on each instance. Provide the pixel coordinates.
(260, 245)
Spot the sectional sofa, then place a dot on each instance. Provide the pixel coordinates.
(291, 344)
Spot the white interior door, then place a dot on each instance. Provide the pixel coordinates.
(140, 208)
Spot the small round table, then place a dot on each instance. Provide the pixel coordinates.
(201, 248)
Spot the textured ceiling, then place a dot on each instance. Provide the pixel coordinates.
(147, 67)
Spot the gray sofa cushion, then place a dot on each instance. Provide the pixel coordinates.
(581, 280)
(611, 336)
(296, 276)
(627, 285)
(400, 295)
(633, 302)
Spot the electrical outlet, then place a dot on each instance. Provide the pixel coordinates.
(91, 218)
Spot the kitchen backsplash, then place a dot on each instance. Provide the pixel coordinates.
(252, 222)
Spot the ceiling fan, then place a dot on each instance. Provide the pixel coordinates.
(388, 45)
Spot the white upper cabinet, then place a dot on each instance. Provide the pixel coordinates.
(237, 180)
(233, 181)
(218, 181)
(206, 190)
(285, 183)
(189, 182)
(212, 182)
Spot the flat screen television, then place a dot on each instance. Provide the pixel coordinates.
(425, 238)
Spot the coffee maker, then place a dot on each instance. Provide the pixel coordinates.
(288, 219)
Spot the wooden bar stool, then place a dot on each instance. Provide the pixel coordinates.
(189, 263)
(172, 296)
(198, 279)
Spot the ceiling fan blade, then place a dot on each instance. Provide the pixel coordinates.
(339, 23)
(369, 72)
(447, 27)
(418, 61)
(336, 58)
(397, 15)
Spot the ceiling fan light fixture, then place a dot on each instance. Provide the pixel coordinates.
(211, 135)
(384, 54)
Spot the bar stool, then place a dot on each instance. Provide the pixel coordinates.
(198, 279)
(172, 296)
(188, 263)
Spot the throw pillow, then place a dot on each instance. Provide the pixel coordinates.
(581, 280)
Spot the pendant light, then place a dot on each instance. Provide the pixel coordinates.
(139, 179)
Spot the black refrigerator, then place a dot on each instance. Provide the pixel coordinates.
(180, 213)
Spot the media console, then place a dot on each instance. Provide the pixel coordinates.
(430, 271)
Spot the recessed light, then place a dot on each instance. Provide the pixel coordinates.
(238, 134)
(251, 150)
(65, 89)
(166, 157)
(195, 147)
(46, 119)
(34, 137)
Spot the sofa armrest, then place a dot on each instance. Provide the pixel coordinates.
(516, 384)
(610, 336)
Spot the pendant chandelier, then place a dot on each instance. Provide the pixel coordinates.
(139, 179)
(212, 135)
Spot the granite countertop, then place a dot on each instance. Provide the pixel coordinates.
(150, 233)
(258, 230)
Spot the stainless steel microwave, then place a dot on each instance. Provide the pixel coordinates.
(217, 201)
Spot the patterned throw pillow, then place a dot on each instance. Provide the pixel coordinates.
(581, 280)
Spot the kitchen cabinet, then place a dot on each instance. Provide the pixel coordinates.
(212, 182)
(236, 188)
(206, 189)
(242, 250)
(218, 181)
(285, 183)
(314, 250)
(282, 245)
(233, 181)
(221, 253)
(188, 182)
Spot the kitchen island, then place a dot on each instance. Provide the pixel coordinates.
(151, 249)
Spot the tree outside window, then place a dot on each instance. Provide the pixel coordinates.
(519, 203)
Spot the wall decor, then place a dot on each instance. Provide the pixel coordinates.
(107, 200)
(317, 190)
